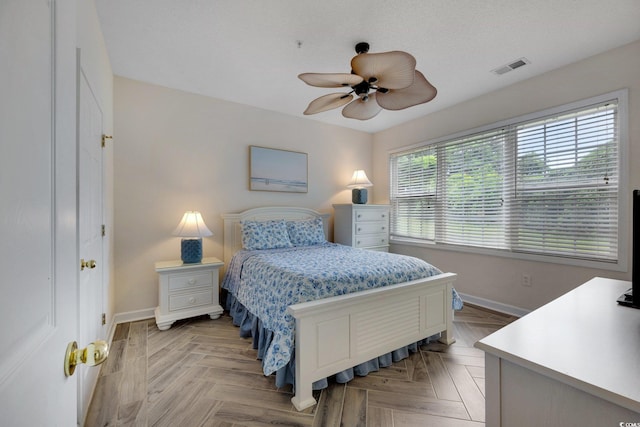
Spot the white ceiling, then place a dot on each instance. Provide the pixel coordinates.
(251, 51)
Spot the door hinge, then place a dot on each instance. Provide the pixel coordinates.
(103, 230)
(104, 319)
(104, 139)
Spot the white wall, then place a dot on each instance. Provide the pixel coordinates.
(497, 278)
(176, 151)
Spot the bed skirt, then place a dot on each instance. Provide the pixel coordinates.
(251, 326)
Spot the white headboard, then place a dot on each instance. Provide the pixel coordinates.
(233, 238)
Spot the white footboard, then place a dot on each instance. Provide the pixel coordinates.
(336, 333)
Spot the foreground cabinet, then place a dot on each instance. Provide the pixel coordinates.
(187, 290)
(572, 362)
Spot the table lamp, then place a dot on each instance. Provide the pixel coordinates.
(358, 183)
(192, 229)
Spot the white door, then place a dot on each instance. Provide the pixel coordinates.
(38, 285)
(90, 207)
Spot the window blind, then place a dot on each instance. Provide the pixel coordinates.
(545, 186)
(413, 181)
(566, 185)
(472, 187)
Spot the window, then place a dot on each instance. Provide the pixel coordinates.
(548, 184)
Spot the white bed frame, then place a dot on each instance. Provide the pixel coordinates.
(336, 333)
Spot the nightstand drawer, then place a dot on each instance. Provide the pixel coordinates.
(371, 227)
(189, 280)
(194, 299)
(371, 215)
(371, 240)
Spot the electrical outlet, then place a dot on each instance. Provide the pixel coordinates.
(526, 280)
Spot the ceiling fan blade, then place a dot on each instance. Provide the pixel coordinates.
(419, 92)
(328, 102)
(330, 79)
(362, 110)
(392, 70)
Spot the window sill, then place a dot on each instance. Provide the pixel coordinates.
(600, 265)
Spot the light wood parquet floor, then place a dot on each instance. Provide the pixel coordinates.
(201, 373)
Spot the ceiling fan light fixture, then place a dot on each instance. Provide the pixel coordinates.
(387, 80)
(361, 88)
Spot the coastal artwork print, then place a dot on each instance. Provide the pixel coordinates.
(277, 170)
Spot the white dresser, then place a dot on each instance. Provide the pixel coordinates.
(362, 226)
(573, 362)
(187, 290)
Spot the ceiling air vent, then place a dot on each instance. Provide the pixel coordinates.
(512, 66)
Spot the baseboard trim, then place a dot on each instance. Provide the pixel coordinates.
(132, 316)
(148, 313)
(112, 330)
(494, 305)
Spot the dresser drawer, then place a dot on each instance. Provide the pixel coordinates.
(189, 280)
(371, 240)
(193, 299)
(371, 227)
(371, 215)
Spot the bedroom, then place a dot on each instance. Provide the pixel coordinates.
(173, 151)
(151, 164)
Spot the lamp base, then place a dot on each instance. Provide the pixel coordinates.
(359, 196)
(191, 251)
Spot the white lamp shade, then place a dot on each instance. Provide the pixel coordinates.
(359, 180)
(192, 225)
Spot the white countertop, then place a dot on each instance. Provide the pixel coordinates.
(584, 339)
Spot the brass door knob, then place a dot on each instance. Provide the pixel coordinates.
(87, 264)
(92, 355)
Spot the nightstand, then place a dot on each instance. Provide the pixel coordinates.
(362, 226)
(187, 290)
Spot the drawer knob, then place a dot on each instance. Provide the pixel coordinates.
(359, 215)
(383, 228)
(192, 281)
(359, 229)
(358, 241)
(192, 300)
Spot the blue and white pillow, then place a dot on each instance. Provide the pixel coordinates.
(306, 232)
(270, 234)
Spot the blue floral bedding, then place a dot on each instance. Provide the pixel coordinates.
(266, 282)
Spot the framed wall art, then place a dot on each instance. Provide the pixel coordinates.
(271, 169)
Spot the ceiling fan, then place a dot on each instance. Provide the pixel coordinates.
(387, 80)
